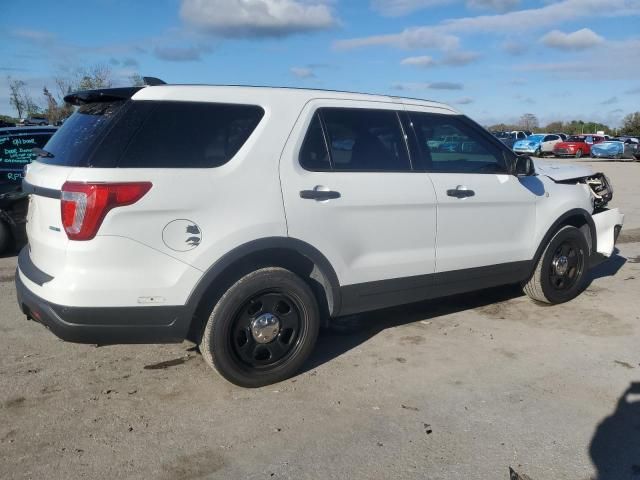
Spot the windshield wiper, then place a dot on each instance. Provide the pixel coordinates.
(42, 153)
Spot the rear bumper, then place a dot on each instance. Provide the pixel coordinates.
(103, 325)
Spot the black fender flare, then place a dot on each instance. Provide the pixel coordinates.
(561, 221)
(323, 272)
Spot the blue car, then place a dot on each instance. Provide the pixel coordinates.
(615, 149)
(538, 144)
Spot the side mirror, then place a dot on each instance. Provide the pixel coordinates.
(524, 166)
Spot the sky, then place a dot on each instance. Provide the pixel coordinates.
(494, 60)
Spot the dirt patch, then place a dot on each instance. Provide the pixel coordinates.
(14, 402)
(412, 340)
(629, 236)
(623, 364)
(195, 465)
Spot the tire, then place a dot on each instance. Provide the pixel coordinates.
(578, 153)
(5, 237)
(248, 353)
(538, 153)
(547, 284)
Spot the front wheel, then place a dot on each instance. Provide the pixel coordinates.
(579, 153)
(262, 329)
(538, 152)
(561, 270)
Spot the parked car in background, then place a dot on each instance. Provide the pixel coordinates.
(577, 145)
(538, 144)
(616, 148)
(513, 137)
(4, 124)
(16, 151)
(34, 120)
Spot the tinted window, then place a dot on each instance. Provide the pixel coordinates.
(191, 135)
(365, 140)
(521, 135)
(74, 141)
(314, 154)
(16, 152)
(451, 144)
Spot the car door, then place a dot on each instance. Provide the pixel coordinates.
(349, 191)
(486, 216)
(549, 142)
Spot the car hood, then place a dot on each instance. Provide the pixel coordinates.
(561, 171)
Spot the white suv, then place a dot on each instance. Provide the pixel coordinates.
(243, 218)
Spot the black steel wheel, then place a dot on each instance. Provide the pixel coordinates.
(567, 265)
(266, 329)
(262, 329)
(561, 270)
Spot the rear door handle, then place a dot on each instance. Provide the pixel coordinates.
(460, 192)
(317, 194)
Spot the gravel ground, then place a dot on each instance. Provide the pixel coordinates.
(458, 388)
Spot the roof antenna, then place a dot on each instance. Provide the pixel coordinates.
(153, 81)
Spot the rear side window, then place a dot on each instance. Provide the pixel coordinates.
(365, 140)
(16, 152)
(190, 135)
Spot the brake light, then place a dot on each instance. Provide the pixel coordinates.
(84, 205)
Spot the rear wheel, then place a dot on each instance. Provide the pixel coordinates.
(561, 270)
(262, 329)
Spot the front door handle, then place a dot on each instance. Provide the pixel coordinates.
(318, 194)
(460, 192)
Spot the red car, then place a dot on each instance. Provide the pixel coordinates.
(577, 145)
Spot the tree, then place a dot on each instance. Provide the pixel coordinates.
(631, 124)
(554, 127)
(16, 97)
(136, 80)
(528, 121)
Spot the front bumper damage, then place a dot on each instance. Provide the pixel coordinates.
(608, 225)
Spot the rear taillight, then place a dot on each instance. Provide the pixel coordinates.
(84, 205)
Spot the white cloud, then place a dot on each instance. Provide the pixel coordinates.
(457, 59)
(463, 101)
(451, 59)
(633, 91)
(417, 86)
(422, 61)
(409, 38)
(396, 8)
(256, 18)
(302, 72)
(578, 40)
(518, 21)
(497, 5)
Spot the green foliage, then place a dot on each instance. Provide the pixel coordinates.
(631, 124)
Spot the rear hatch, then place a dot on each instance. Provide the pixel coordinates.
(72, 146)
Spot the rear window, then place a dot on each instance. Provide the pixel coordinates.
(73, 143)
(153, 134)
(16, 152)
